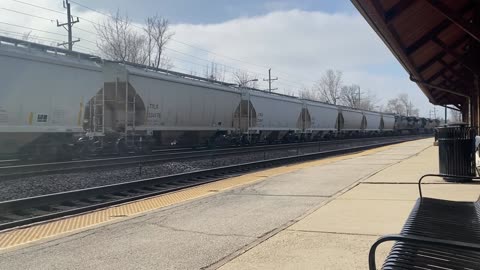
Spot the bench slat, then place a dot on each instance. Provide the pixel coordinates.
(443, 220)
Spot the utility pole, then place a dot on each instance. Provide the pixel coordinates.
(435, 113)
(359, 101)
(445, 114)
(270, 80)
(70, 22)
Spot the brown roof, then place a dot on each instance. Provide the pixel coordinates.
(437, 42)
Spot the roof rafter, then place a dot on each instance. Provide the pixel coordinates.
(434, 32)
(427, 37)
(455, 18)
(451, 51)
(440, 72)
(452, 70)
(431, 61)
(396, 10)
(441, 54)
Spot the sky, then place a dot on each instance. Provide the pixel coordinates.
(298, 40)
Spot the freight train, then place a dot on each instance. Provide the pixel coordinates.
(59, 104)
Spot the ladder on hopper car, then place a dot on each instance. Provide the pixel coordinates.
(98, 114)
(125, 102)
(113, 102)
(130, 118)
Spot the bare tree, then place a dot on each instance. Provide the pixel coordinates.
(402, 105)
(215, 72)
(395, 106)
(119, 42)
(244, 79)
(380, 108)
(350, 96)
(158, 34)
(27, 36)
(309, 93)
(410, 110)
(329, 86)
(290, 92)
(353, 96)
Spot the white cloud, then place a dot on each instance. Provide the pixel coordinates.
(300, 45)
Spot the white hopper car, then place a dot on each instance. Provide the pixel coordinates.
(54, 103)
(321, 120)
(42, 95)
(273, 117)
(351, 120)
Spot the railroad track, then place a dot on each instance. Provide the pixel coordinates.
(26, 211)
(9, 171)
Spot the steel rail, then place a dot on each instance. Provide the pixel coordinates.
(29, 170)
(25, 211)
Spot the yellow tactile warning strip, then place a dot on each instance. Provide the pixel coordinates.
(36, 232)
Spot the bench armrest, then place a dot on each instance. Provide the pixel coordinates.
(459, 177)
(418, 240)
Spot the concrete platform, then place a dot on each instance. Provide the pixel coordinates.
(339, 234)
(316, 215)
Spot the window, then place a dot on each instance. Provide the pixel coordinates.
(42, 118)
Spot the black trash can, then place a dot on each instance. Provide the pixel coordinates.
(456, 147)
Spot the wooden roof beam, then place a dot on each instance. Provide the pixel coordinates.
(450, 51)
(441, 54)
(441, 72)
(396, 10)
(448, 83)
(427, 37)
(436, 75)
(434, 32)
(450, 68)
(448, 90)
(455, 18)
(431, 61)
(438, 94)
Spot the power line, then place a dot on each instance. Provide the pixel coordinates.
(90, 50)
(174, 40)
(31, 15)
(86, 31)
(91, 9)
(52, 10)
(210, 61)
(34, 29)
(47, 19)
(25, 3)
(43, 31)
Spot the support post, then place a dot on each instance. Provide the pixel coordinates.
(270, 80)
(477, 91)
(467, 97)
(70, 22)
(445, 115)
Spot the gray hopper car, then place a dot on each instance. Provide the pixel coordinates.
(55, 103)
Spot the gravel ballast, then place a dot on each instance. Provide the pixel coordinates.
(47, 184)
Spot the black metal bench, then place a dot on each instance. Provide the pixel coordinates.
(438, 234)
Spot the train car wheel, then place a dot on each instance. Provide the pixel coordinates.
(64, 152)
(121, 148)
